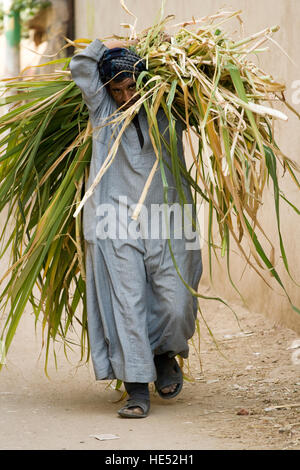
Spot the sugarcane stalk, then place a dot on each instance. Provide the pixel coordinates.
(264, 32)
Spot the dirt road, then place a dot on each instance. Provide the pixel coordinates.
(249, 399)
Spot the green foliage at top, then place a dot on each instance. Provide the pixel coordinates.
(26, 8)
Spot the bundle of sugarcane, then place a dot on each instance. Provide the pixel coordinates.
(201, 77)
(45, 149)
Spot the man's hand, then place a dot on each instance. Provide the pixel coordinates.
(124, 43)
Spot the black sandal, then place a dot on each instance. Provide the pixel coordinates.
(168, 373)
(135, 403)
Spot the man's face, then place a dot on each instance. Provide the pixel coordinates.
(123, 92)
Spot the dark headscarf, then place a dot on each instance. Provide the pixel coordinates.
(120, 63)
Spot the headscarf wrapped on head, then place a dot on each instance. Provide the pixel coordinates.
(120, 63)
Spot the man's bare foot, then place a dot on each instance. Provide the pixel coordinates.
(138, 403)
(169, 389)
(136, 411)
(135, 408)
(169, 376)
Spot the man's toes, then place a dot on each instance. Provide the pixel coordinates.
(169, 389)
(135, 411)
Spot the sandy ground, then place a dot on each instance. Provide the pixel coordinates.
(245, 399)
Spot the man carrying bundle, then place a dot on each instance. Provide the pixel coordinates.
(140, 312)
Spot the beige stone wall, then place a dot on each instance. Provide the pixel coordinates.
(101, 18)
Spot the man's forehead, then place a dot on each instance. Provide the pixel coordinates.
(122, 84)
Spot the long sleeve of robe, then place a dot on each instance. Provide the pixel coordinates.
(137, 303)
